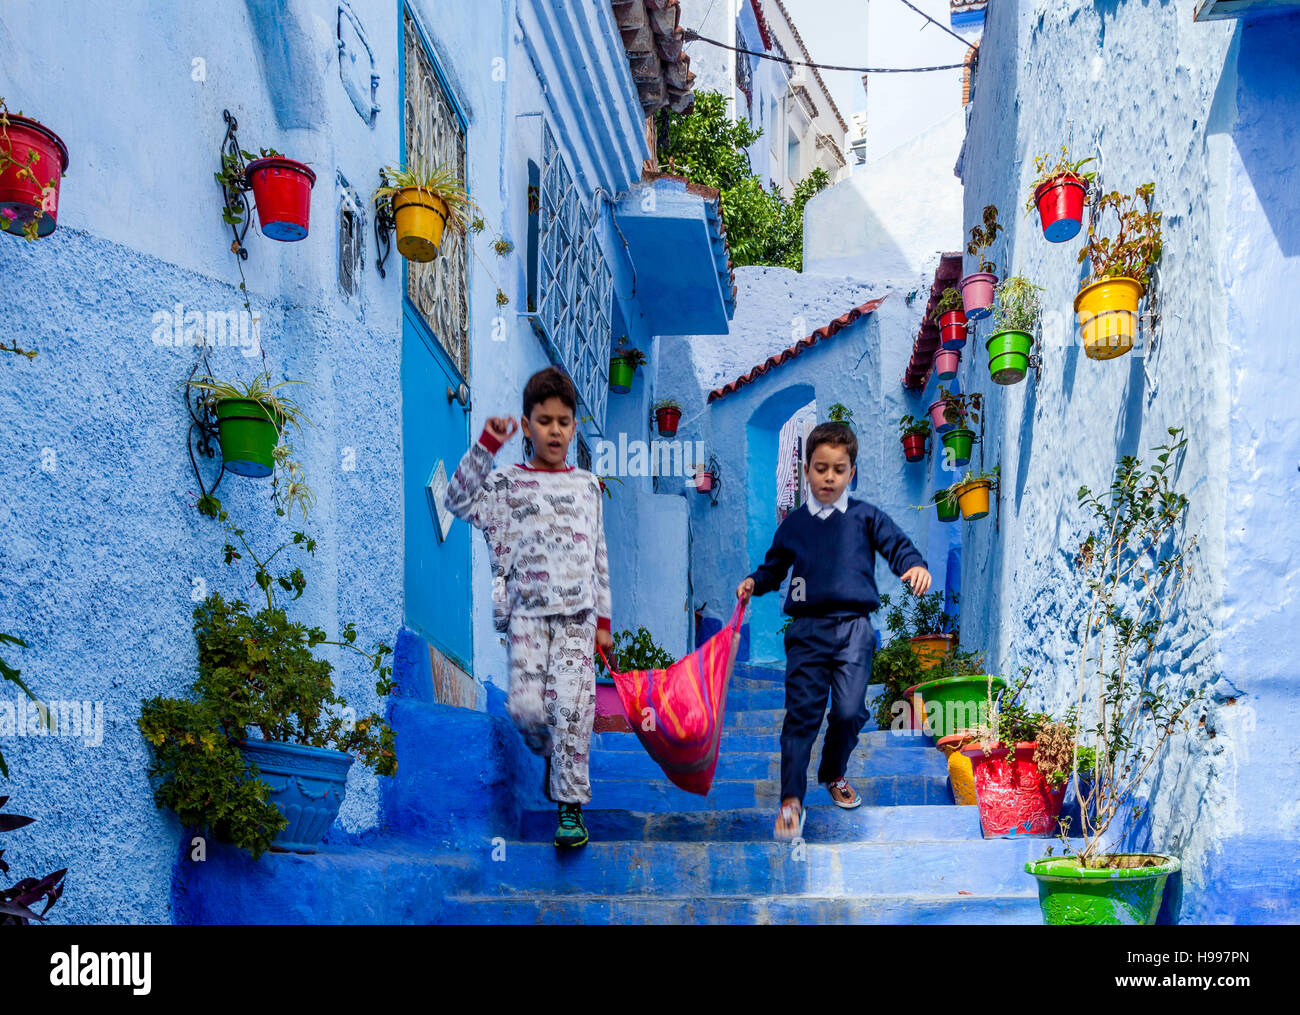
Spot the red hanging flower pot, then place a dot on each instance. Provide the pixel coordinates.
(666, 418)
(1060, 207)
(952, 329)
(282, 192)
(32, 161)
(914, 445)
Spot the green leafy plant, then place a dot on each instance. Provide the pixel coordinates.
(634, 650)
(1136, 246)
(629, 354)
(993, 476)
(502, 298)
(1052, 166)
(441, 181)
(916, 616)
(257, 671)
(949, 301)
(667, 403)
(15, 677)
(502, 246)
(897, 667)
(16, 900)
(914, 425)
(982, 237)
(707, 146)
(962, 410)
(1018, 305)
(1132, 564)
(840, 413)
(26, 171)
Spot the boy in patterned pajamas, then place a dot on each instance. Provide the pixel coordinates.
(545, 534)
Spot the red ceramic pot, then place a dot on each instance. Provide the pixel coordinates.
(22, 186)
(1014, 798)
(914, 446)
(282, 192)
(667, 419)
(1060, 207)
(977, 294)
(952, 329)
(946, 362)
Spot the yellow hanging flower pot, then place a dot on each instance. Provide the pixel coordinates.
(973, 498)
(1107, 312)
(421, 219)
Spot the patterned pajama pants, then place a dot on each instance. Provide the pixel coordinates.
(552, 696)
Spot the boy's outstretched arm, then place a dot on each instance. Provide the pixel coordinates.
(771, 573)
(904, 558)
(467, 497)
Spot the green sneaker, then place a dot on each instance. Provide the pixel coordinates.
(572, 832)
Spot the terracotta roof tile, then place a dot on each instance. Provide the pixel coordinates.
(785, 355)
(763, 29)
(927, 339)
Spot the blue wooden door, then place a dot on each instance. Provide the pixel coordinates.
(434, 429)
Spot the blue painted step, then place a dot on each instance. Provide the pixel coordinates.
(949, 909)
(754, 868)
(826, 823)
(742, 739)
(767, 764)
(661, 795)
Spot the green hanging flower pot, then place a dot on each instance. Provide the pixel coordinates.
(621, 371)
(1127, 894)
(945, 503)
(958, 443)
(248, 436)
(1009, 355)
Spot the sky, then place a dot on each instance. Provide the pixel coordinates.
(835, 31)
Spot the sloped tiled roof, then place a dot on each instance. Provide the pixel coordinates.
(763, 28)
(654, 41)
(927, 339)
(785, 355)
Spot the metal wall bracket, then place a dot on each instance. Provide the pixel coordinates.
(236, 210)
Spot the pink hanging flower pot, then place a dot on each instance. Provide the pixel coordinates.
(977, 294)
(946, 362)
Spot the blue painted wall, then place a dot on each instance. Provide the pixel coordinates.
(1203, 111)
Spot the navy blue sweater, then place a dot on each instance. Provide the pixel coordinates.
(836, 558)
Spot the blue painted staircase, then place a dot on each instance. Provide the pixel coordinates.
(661, 855)
(466, 838)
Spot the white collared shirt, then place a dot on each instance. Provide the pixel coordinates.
(820, 510)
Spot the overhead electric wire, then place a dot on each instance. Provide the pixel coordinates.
(945, 28)
(691, 35)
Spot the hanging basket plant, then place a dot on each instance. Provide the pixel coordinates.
(1059, 192)
(1107, 304)
(282, 192)
(424, 201)
(668, 414)
(945, 503)
(1014, 321)
(946, 363)
(957, 444)
(33, 160)
(950, 410)
(977, 288)
(951, 318)
(973, 493)
(623, 363)
(913, 433)
(250, 419)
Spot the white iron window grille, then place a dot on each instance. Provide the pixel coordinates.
(574, 283)
(438, 289)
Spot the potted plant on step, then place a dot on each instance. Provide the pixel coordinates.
(425, 200)
(1019, 789)
(668, 412)
(1059, 191)
(623, 363)
(1014, 321)
(280, 790)
(633, 650)
(914, 433)
(896, 667)
(250, 420)
(1120, 269)
(926, 623)
(973, 492)
(951, 318)
(977, 287)
(33, 160)
(1132, 565)
(954, 693)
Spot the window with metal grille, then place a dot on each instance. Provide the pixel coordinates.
(352, 233)
(574, 286)
(435, 135)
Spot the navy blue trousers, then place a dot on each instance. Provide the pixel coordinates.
(823, 655)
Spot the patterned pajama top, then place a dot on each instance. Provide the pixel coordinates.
(544, 530)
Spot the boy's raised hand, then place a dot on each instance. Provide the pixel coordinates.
(501, 427)
(919, 578)
(745, 589)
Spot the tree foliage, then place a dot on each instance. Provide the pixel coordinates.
(708, 148)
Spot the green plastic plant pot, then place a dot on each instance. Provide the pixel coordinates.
(957, 704)
(1009, 355)
(946, 508)
(621, 373)
(959, 442)
(1069, 894)
(248, 437)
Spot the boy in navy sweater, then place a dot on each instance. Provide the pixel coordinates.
(829, 545)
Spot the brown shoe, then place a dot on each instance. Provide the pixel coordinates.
(843, 794)
(789, 821)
